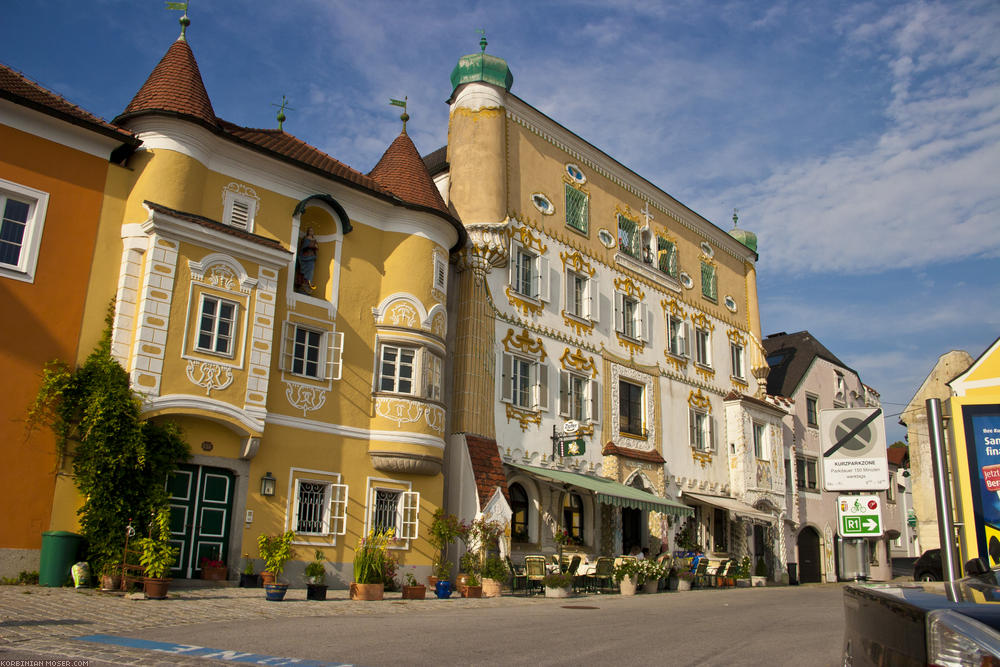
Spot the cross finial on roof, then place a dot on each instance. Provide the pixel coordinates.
(482, 39)
(184, 20)
(736, 217)
(645, 211)
(403, 116)
(281, 112)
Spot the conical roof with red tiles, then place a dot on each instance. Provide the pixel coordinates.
(174, 86)
(402, 172)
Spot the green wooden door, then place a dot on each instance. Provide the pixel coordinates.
(201, 503)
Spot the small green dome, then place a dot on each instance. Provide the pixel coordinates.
(481, 67)
(747, 238)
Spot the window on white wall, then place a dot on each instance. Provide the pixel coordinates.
(581, 296)
(529, 272)
(736, 357)
(702, 433)
(703, 346)
(632, 409)
(524, 382)
(579, 397)
(760, 444)
(677, 336)
(23, 216)
(631, 317)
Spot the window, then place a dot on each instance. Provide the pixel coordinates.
(440, 273)
(581, 296)
(701, 430)
(529, 273)
(631, 317)
(630, 409)
(519, 514)
(890, 493)
(840, 389)
(666, 256)
(628, 237)
(805, 474)
(320, 508)
(22, 215)
(709, 286)
(573, 517)
(702, 347)
(736, 357)
(577, 212)
(760, 444)
(812, 411)
(312, 353)
(305, 352)
(524, 382)
(239, 209)
(217, 324)
(398, 371)
(788, 475)
(395, 510)
(720, 532)
(579, 397)
(677, 339)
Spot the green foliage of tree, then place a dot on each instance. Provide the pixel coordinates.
(120, 461)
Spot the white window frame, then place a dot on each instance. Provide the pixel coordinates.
(588, 304)
(31, 239)
(406, 517)
(239, 210)
(737, 356)
(678, 337)
(701, 430)
(761, 450)
(334, 519)
(579, 397)
(414, 364)
(703, 347)
(637, 326)
(431, 366)
(234, 323)
(331, 348)
(535, 397)
(528, 272)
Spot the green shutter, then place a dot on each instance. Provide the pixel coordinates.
(577, 215)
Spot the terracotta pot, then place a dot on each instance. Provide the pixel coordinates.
(368, 592)
(418, 592)
(214, 573)
(267, 578)
(155, 589)
(461, 580)
(111, 582)
(473, 592)
(492, 588)
(432, 581)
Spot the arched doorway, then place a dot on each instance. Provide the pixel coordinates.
(810, 555)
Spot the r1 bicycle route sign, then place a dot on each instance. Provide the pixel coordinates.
(859, 516)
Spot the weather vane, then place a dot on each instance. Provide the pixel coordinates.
(736, 217)
(403, 116)
(281, 111)
(482, 39)
(184, 20)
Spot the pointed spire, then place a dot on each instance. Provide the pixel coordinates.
(402, 172)
(403, 116)
(184, 20)
(174, 87)
(281, 112)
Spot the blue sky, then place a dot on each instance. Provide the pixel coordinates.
(859, 140)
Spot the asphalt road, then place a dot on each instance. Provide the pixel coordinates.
(800, 625)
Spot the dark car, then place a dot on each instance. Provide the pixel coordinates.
(928, 566)
(932, 623)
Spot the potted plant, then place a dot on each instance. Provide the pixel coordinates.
(558, 585)
(684, 580)
(276, 550)
(213, 569)
(157, 555)
(371, 558)
(413, 590)
(494, 573)
(444, 529)
(627, 575)
(442, 585)
(651, 573)
(759, 577)
(473, 586)
(111, 575)
(316, 577)
(742, 572)
(248, 579)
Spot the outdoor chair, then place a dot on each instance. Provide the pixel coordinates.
(517, 574)
(701, 573)
(722, 573)
(604, 572)
(534, 570)
(571, 569)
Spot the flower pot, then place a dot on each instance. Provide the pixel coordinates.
(367, 592)
(473, 592)
(461, 581)
(558, 592)
(250, 581)
(758, 581)
(275, 592)
(651, 586)
(111, 582)
(315, 591)
(155, 589)
(432, 581)
(442, 589)
(629, 585)
(418, 592)
(491, 588)
(683, 584)
(743, 583)
(672, 582)
(214, 573)
(267, 577)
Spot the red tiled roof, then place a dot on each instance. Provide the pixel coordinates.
(175, 86)
(897, 455)
(402, 172)
(487, 468)
(217, 226)
(640, 455)
(18, 88)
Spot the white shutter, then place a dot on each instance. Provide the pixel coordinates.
(563, 393)
(409, 515)
(711, 432)
(239, 214)
(287, 346)
(568, 292)
(542, 263)
(512, 264)
(334, 354)
(295, 511)
(542, 386)
(370, 511)
(685, 330)
(440, 273)
(693, 427)
(593, 299)
(646, 321)
(506, 379)
(594, 391)
(338, 509)
(619, 307)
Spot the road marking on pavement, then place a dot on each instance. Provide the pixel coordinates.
(203, 652)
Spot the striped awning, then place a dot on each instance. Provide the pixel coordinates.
(609, 492)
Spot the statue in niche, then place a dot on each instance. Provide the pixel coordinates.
(305, 263)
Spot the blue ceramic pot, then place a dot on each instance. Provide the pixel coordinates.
(443, 589)
(275, 592)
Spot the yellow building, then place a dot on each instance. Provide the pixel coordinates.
(53, 167)
(289, 313)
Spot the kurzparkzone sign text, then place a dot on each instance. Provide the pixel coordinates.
(853, 442)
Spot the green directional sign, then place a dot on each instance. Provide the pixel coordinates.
(860, 516)
(859, 525)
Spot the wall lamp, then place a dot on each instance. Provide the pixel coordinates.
(267, 484)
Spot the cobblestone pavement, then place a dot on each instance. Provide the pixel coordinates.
(45, 621)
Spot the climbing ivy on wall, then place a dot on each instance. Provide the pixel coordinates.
(120, 461)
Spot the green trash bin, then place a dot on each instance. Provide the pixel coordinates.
(60, 549)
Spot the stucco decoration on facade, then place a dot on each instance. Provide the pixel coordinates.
(542, 203)
(399, 410)
(650, 407)
(686, 280)
(606, 238)
(524, 344)
(576, 361)
(223, 272)
(208, 376)
(524, 417)
(304, 397)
